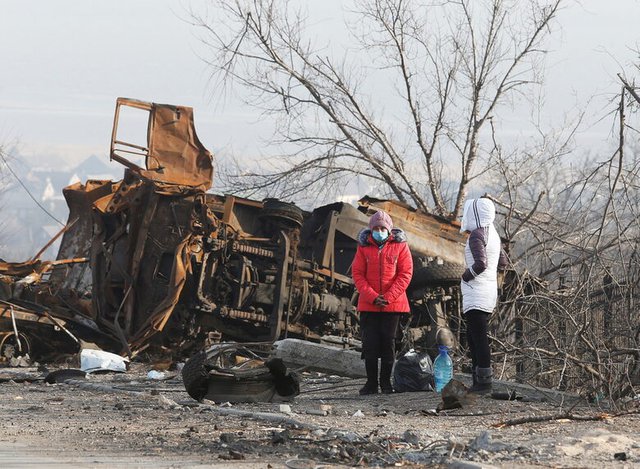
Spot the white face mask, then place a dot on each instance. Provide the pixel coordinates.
(380, 236)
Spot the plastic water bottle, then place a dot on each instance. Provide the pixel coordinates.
(442, 368)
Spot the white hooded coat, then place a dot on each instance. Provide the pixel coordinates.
(481, 291)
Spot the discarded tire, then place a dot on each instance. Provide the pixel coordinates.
(195, 376)
(270, 382)
(437, 275)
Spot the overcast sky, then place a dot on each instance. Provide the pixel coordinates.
(64, 62)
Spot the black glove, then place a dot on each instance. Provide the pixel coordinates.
(380, 301)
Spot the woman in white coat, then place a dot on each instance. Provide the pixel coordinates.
(483, 258)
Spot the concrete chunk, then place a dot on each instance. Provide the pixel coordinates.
(319, 357)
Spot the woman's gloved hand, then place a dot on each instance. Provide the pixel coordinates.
(380, 301)
(467, 275)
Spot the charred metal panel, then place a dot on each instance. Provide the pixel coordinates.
(173, 154)
(140, 258)
(330, 235)
(76, 241)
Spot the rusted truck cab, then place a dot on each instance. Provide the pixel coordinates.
(172, 265)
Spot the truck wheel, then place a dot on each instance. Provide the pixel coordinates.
(437, 275)
(9, 347)
(195, 376)
(285, 212)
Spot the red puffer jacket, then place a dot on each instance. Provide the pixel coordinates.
(385, 270)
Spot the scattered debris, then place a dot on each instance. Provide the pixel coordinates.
(506, 396)
(60, 376)
(455, 395)
(159, 375)
(622, 456)
(163, 421)
(167, 403)
(22, 361)
(411, 437)
(285, 408)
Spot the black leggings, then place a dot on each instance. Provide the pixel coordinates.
(378, 331)
(478, 338)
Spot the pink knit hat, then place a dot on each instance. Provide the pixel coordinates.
(381, 219)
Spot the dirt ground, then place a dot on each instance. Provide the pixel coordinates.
(129, 420)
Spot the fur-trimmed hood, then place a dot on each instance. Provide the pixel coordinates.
(397, 236)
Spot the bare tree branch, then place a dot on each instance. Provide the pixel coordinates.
(454, 63)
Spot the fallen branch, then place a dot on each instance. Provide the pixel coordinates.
(561, 416)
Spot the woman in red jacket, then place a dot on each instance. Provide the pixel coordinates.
(382, 270)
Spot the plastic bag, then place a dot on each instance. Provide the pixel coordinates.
(413, 372)
(99, 360)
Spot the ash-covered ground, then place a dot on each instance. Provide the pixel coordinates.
(129, 420)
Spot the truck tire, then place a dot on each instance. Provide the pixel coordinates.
(435, 275)
(283, 211)
(195, 376)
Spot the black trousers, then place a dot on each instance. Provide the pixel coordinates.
(378, 331)
(478, 337)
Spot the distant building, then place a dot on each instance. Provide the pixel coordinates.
(26, 227)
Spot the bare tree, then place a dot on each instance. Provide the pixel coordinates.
(408, 111)
(572, 308)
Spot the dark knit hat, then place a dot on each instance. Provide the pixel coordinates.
(381, 219)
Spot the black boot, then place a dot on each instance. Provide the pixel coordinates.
(371, 386)
(482, 380)
(385, 377)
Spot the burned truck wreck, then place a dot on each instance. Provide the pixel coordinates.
(163, 263)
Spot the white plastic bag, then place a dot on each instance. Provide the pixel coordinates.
(99, 360)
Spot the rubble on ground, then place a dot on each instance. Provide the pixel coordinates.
(327, 424)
